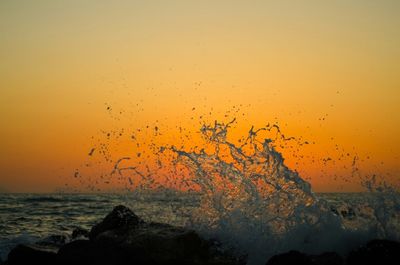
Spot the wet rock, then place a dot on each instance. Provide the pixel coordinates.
(290, 258)
(376, 252)
(55, 241)
(327, 258)
(121, 218)
(83, 252)
(122, 238)
(297, 258)
(33, 255)
(155, 243)
(166, 243)
(79, 233)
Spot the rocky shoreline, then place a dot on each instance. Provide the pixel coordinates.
(123, 238)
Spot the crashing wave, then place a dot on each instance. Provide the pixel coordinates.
(253, 202)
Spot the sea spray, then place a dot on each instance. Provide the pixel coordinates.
(251, 201)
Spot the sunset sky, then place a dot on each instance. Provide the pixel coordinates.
(327, 71)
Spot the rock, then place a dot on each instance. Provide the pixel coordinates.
(165, 243)
(55, 241)
(32, 254)
(83, 252)
(298, 258)
(121, 218)
(153, 243)
(149, 245)
(79, 233)
(376, 252)
(291, 258)
(122, 238)
(327, 258)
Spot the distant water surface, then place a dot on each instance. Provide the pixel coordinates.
(29, 217)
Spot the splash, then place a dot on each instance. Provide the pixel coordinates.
(253, 202)
(250, 199)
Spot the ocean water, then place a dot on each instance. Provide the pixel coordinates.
(240, 192)
(27, 218)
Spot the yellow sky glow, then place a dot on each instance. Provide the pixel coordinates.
(321, 69)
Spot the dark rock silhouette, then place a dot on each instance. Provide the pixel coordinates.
(123, 238)
(89, 252)
(376, 252)
(291, 257)
(298, 258)
(328, 258)
(32, 254)
(121, 218)
(79, 233)
(54, 241)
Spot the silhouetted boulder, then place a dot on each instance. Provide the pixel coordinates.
(290, 258)
(376, 252)
(105, 252)
(165, 243)
(33, 255)
(327, 258)
(297, 258)
(121, 218)
(79, 233)
(83, 252)
(123, 238)
(54, 241)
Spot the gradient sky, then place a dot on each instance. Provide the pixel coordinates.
(325, 70)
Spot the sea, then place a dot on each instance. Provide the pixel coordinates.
(26, 218)
(239, 193)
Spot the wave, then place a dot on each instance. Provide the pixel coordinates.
(44, 199)
(65, 198)
(254, 203)
(247, 197)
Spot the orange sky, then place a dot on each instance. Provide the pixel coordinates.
(327, 72)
